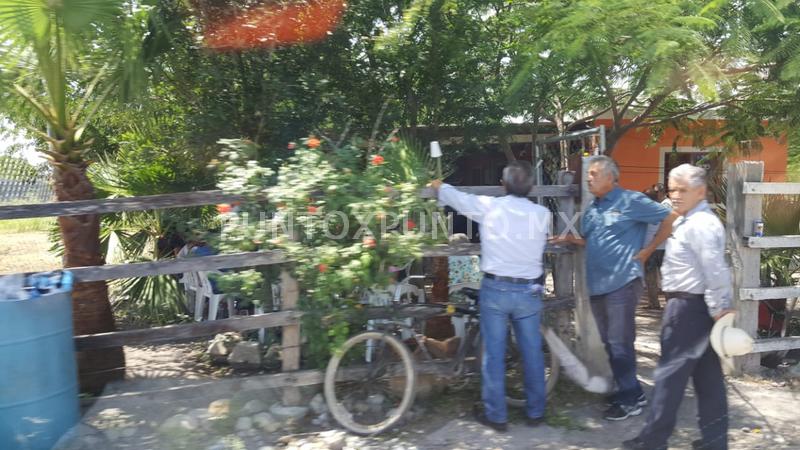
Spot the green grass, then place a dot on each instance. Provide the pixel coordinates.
(27, 225)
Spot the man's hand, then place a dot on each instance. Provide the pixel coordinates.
(724, 312)
(643, 255)
(436, 184)
(566, 239)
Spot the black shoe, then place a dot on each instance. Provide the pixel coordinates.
(635, 444)
(697, 444)
(483, 420)
(638, 444)
(611, 400)
(534, 422)
(622, 412)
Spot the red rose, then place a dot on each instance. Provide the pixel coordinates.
(223, 208)
(369, 242)
(313, 142)
(377, 160)
(410, 224)
(312, 209)
(322, 268)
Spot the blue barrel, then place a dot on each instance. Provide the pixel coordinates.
(38, 374)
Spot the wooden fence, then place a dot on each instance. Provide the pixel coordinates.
(746, 191)
(288, 318)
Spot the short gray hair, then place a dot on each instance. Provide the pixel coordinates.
(518, 178)
(608, 165)
(693, 176)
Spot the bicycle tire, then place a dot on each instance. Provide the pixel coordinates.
(551, 363)
(338, 410)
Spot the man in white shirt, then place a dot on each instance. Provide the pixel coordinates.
(697, 284)
(514, 233)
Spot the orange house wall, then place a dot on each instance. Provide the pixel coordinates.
(639, 159)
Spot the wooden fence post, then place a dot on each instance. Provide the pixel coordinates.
(741, 211)
(564, 268)
(290, 345)
(589, 346)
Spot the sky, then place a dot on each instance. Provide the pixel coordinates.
(10, 135)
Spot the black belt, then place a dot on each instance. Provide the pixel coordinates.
(539, 280)
(684, 295)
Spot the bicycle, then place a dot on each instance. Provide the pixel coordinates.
(375, 392)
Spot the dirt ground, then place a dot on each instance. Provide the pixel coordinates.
(169, 380)
(26, 251)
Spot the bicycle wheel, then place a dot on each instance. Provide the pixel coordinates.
(515, 382)
(370, 383)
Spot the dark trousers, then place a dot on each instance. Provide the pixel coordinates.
(615, 315)
(686, 353)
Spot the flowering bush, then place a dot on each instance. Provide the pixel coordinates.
(343, 215)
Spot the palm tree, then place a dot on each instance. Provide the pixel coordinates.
(53, 51)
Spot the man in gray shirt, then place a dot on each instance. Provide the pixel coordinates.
(697, 283)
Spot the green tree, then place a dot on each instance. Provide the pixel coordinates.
(61, 68)
(651, 62)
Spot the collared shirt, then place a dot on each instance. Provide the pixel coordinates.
(514, 231)
(694, 260)
(614, 228)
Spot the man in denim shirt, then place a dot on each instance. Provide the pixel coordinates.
(614, 228)
(514, 234)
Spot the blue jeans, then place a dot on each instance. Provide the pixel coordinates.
(615, 315)
(522, 304)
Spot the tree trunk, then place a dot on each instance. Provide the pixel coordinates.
(90, 303)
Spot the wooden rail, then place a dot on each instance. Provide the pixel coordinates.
(771, 188)
(111, 205)
(201, 198)
(235, 260)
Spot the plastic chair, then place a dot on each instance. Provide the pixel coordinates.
(214, 299)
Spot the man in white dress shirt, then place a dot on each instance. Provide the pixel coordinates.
(514, 233)
(697, 283)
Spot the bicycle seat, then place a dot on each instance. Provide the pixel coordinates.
(471, 293)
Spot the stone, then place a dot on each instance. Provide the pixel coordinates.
(244, 423)
(323, 420)
(180, 422)
(254, 406)
(246, 355)
(288, 412)
(112, 434)
(318, 404)
(219, 408)
(266, 422)
(333, 440)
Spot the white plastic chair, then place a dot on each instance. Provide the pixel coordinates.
(207, 291)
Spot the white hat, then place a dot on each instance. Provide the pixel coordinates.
(729, 341)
